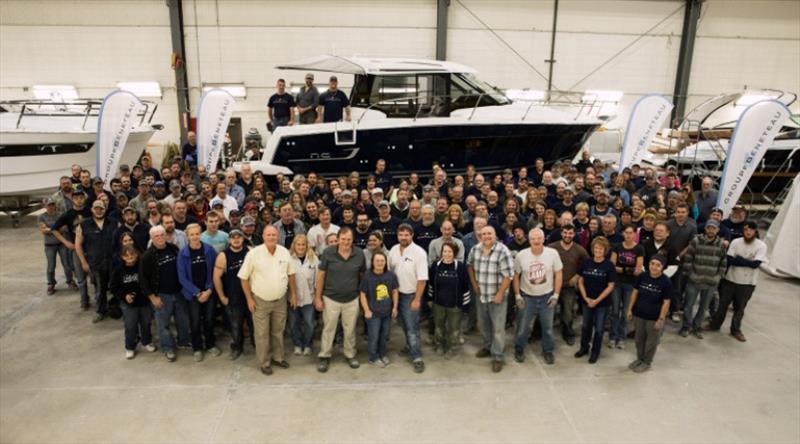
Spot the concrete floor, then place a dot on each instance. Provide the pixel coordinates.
(63, 379)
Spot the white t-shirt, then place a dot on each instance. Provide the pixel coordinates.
(410, 266)
(537, 273)
(316, 237)
(754, 251)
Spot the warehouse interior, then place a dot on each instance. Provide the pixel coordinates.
(63, 379)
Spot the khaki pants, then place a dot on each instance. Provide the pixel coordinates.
(330, 318)
(269, 321)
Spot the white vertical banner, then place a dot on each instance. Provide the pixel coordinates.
(118, 114)
(213, 116)
(752, 137)
(647, 118)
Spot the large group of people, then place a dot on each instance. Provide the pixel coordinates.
(532, 250)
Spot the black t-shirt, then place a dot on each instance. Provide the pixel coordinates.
(626, 259)
(423, 236)
(333, 104)
(199, 267)
(281, 105)
(447, 285)
(389, 230)
(360, 239)
(652, 294)
(596, 277)
(71, 219)
(289, 230)
(167, 271)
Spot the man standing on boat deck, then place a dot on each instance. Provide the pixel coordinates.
(307, 100)
(332, 103)
(281, 107)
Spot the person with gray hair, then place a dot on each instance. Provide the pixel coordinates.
(158, 277)
(537, 284)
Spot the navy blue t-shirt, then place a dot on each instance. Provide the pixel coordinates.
(199, 268)
(281, 105)
(378, 288)
(389, 230)
(333, 104)
(167, 271)
(423, 236)
(596, 277)
(652, 293)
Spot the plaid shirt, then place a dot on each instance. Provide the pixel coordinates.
(491, 269)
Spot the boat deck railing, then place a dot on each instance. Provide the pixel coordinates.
(68, 108)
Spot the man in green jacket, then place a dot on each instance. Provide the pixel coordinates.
(703, 265)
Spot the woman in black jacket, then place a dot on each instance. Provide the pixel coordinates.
(136, 309)
(448, 288)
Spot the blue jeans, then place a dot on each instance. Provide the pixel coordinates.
(409, 319)
(137, 325)
(594, 320)
(378, 329)
(694, 322)
(492, 323)
(238, 315)
(301, 325)
(619, 306)
(163, 317)
(80, 278)
(535, 306)
(51, 251)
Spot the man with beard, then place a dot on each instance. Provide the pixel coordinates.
(182, 219)
(69, 221)
(130, 224)
(572, 256)
(229, 290)
(174, 236)
(386, 224)
(63, 197)
(735, 222)
(427, 230)
(94, 245)
(362, 231)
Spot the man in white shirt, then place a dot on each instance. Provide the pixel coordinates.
(745, 255)
(228, 203)
(319, 232)
(537, 283)
(410, 263)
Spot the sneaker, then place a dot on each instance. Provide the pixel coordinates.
(697, 334)
(234, 354)
(215, 351)
(198, 356)
(385, 360)
(298, 351)
(72, 286)
(323, 365)
(593, 359)
(634, 364)
(353, 363)
(170, 355)
(307, 351)
(51, 290)
(497, 366)
(483, 353)
(676, 317)
(377, 363)
(281, 364)
(419, 366)
(267, 370)
(610, 344)
(549, 359)
(684, 332)
(643, 367)
(581, 353)
(519, 355)
(98, 317)
(150, 348)
(620, 345)
(129, 354)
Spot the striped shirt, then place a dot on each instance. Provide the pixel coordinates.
(490, 269)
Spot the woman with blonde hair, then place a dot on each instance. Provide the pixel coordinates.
(456, 216)
(301, 317)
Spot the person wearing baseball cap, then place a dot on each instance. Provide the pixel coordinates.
(745, 256)
(332, 103)
(386, 224)
(648, 307)
(724, 232)
(71, 219)
(94, 245)
(307, 100)
(53, 247)
(248, 228)
(735, 221)
(704, 265)
(229, 289)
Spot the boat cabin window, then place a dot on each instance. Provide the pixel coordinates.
(422, 95)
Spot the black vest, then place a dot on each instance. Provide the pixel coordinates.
(231, 282)
(98, 244)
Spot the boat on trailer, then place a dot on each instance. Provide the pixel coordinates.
(414, 113)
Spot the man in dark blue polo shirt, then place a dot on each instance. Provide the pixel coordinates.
(281, 107)
(332, 103)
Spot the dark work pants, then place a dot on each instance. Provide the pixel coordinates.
(201, 320)
(739, 295)
(594, 320)
(647, 339)
(238, 315)
(99, 277)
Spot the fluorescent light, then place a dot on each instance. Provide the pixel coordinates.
(531, 95)
(234, 89)
(596, 95)
(141, 89)
(751, 98)
(55, 92)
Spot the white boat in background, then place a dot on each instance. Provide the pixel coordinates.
(40, 140)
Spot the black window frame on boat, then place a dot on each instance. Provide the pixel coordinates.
(422, 94)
